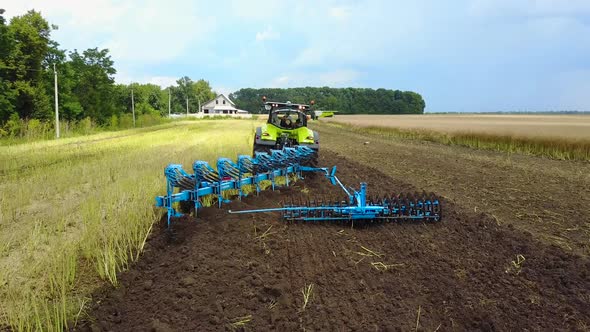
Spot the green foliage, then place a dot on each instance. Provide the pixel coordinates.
(146, 120)
(114, 122)
(126, 121)
(94, 83)
(7, 94)
(344, 100)
(86, 125)
(7, 97)
(71, 110)
(24, 64)
(14, 125)
(199, 91)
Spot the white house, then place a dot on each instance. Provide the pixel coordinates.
(221, 105)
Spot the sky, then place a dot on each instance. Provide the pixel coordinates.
(460, 55)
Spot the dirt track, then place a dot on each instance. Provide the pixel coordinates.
(459, 274)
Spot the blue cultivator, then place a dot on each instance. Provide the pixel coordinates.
(358, 207)
(276, 169)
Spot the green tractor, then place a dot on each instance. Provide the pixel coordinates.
(286, 126)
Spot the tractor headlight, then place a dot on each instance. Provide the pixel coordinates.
(310, 138)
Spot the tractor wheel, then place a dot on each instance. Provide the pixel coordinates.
(313, 162)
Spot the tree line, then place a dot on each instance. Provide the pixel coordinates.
(343, 100)
(87, 88)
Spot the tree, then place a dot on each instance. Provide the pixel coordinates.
(92, 73)
(30, 33)
(344, 100)
(148, 99)
(7, 93)
(181, 93)
(199, 91)
(86, 80)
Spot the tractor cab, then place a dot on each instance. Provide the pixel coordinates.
(286, 127)
(273, 107)
(287, 119)
(287, 115)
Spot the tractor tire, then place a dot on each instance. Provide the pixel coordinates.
(313, 162)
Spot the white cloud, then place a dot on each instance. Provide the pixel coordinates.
(342, 12)
(281, 81)
(338, 78)
(152, 32)
(163, 81)
(359, 33)
(255, 9)
(124, 77)
(310, 56)
(530, 8)
(334, 78)
(223, 90)
(268, 34)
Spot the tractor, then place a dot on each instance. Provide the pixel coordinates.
(286, 127)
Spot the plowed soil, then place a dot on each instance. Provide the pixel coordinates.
(224, 271)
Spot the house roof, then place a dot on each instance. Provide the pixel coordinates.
(224, 97)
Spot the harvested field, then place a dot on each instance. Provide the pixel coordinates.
(556, 137)
(469, 272)
(557, 126)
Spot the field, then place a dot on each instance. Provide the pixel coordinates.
(79, 209)
(565, 137)
(510, 254)
(546, 126)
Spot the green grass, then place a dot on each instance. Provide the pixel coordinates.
(78, 210)
(555, 148)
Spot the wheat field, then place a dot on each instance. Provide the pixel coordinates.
(564, 137)
(558, 126)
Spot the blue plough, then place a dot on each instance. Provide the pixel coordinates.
(253, 174)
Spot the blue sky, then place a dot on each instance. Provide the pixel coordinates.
(461, 55)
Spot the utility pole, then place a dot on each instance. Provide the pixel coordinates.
(186, 91)
(199, 105)
(56, 103)
(133, 107)
(169, 114)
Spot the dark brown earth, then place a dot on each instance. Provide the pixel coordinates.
(247, 272)
(548, 198)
